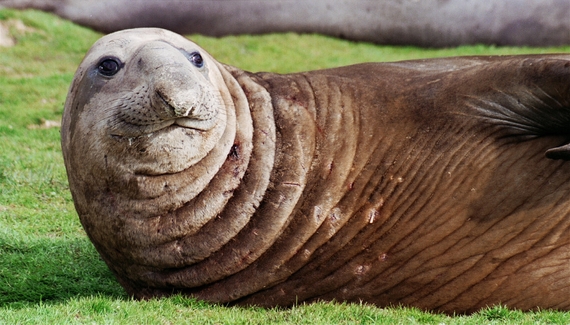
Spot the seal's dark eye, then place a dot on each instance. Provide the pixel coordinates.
(196, 59)
(109, 66)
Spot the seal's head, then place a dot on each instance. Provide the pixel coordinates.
(156, 136)
(150, 95)
(149, 119)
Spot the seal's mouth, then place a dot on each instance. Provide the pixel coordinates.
(199, 125)
(135, 131)
(151, 111)
(130, 129)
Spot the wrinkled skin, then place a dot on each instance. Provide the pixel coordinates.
(441, 184)
(432, 23)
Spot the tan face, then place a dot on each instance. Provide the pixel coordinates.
(150, 103)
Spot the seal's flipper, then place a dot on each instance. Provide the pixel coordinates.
(562, 152)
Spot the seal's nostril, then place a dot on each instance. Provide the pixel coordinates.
(161, 97)
(170, 106)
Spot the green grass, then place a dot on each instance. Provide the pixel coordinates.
(49, 271)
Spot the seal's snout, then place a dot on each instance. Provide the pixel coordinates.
(177, 89)
(188, 104)
(180, 90)
(174, 107)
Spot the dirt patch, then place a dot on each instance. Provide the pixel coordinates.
(7, 39)
(45, 124)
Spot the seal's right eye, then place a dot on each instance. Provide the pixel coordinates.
(109, 66)
(196, 59)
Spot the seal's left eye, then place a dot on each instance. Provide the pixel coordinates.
(109, 67)
(196, 59)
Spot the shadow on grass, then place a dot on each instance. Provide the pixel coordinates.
(52, 270)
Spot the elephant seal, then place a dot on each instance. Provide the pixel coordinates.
(441, 184)
(431, 23)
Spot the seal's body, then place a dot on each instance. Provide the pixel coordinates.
(423, 183)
